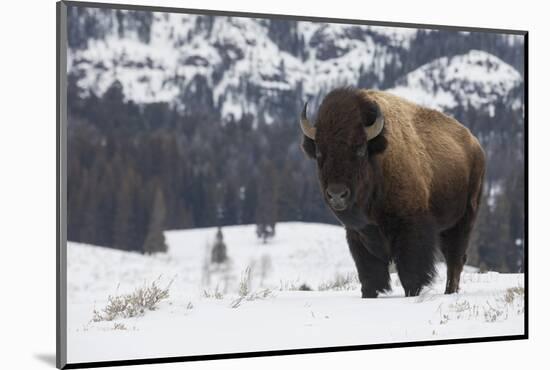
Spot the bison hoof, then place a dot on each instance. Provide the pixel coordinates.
(369, 294)
(451, 288)
(412, 292)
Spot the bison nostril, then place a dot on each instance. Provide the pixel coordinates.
(345, 194)
(338, 193)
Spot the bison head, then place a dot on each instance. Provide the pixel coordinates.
(347, 133)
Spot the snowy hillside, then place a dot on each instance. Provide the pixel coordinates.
(476, 79)
(208, 312)
(236, 66)
(228, 55)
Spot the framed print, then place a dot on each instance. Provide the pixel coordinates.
(234, 184)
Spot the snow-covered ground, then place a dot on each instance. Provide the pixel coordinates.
(204, 315)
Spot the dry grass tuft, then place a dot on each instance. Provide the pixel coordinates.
(217, 293)
(119, 326)
(262, 294)
(245, 292)
(512, 294)
(510, 304)
(341, 282)
(133, 304)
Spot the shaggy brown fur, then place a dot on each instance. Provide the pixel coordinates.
(433, 155)
(420, 181)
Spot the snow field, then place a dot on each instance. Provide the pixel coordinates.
(207, 311)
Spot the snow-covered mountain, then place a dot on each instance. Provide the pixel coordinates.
(476, 79)
(267, 68)
(237, 62)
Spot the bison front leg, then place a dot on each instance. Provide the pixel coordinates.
(373, 271)
(413, 253)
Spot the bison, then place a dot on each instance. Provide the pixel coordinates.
(402, 179)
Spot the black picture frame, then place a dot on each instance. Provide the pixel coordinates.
(61, 186)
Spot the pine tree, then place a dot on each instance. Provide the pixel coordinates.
(123, 227)
(267, 204)
(249, 200)
(480, 236)
(219, 250)
(515, 193)
(504, 245)
(289, 204)
(154, 241)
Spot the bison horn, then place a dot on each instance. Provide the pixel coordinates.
(375, 129)
(307, 128)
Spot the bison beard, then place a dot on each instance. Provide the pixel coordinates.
(415, 185)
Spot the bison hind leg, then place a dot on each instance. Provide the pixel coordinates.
(454, 241)
(454, 244)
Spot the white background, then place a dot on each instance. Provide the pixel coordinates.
(27, 164)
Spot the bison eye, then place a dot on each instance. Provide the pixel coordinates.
(361, 151)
